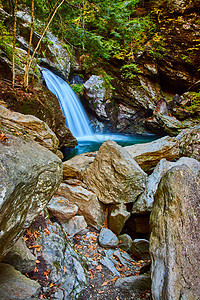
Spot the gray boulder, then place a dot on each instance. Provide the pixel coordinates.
(61, 208)
(114, 176)
(144, 202)
(88, 204)
(66, 266)
(20, 257)
(29, 126)
(107, 238)
(174, 240)
(95, 93)
(136, 284)
(117, 217)
(148, 155)
(75, 225)
(125, 241)
(15, 286)
(140, 249)
(189, 142)
(29, 176)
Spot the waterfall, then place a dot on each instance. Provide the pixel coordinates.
(75, 116)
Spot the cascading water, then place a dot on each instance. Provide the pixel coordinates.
(78, 123)
(76, 118)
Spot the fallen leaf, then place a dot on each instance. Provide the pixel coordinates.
(51, 284)
(104, 283)
(64, 269)
(101, 292)
(37, 261)
(35, 270)
(46, 272)
(99, 267)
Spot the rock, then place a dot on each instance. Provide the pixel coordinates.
(125, 241)
(95, 93)
(77, 166)
(174, 241)
(114, 176)
(149, 154)
(107, 238)
(20, 257)
(87, 202)
(29, 176)
(140, 249)
(144, 202)
(14, 285)
(136, 284)
(56, 56)
(30, 126)
(75, 225)
(117, 217)
(189, 142)
(61, 208)
(66, 267)
(105, 261)
(161, 108)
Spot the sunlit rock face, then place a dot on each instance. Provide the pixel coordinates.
(30, 174)
(174, 241)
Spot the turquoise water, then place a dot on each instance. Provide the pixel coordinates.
(92, 143)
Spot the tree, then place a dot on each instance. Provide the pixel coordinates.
(14, 42)
(49, 20)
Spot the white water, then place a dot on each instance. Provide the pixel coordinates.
(75, 116)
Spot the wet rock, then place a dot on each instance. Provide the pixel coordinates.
(75, 225)
(114, 176)
(30, 126)
(117, 217)
(149, 154)
(107, 238)
(125, 241)
(29, 176)
(165, 124)
(174, 241)
(144, 202)
(14, 285)
(66, 266)
(136, 284)
(95, 93)
(20, 257)
(88, 204)
(61, 208)
(189, 142)
(77, 166)
(140, 249)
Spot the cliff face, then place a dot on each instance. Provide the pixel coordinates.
(167, 68)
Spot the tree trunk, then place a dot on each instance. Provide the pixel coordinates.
(39, 42)
(14, 42)
(29, 46)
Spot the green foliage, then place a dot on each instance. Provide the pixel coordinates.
(77, 88)
(5, 40)
(129, 70)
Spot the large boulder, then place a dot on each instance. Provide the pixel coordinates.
(149, 154)
(144, 202)
(114, 176)
(88, 204)
(29, 126)
(15, 286)
(77, 166)
(118, 216)
(95, 93)
(174, 241)
(29, 176)
(20, 257)
(189, 142)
